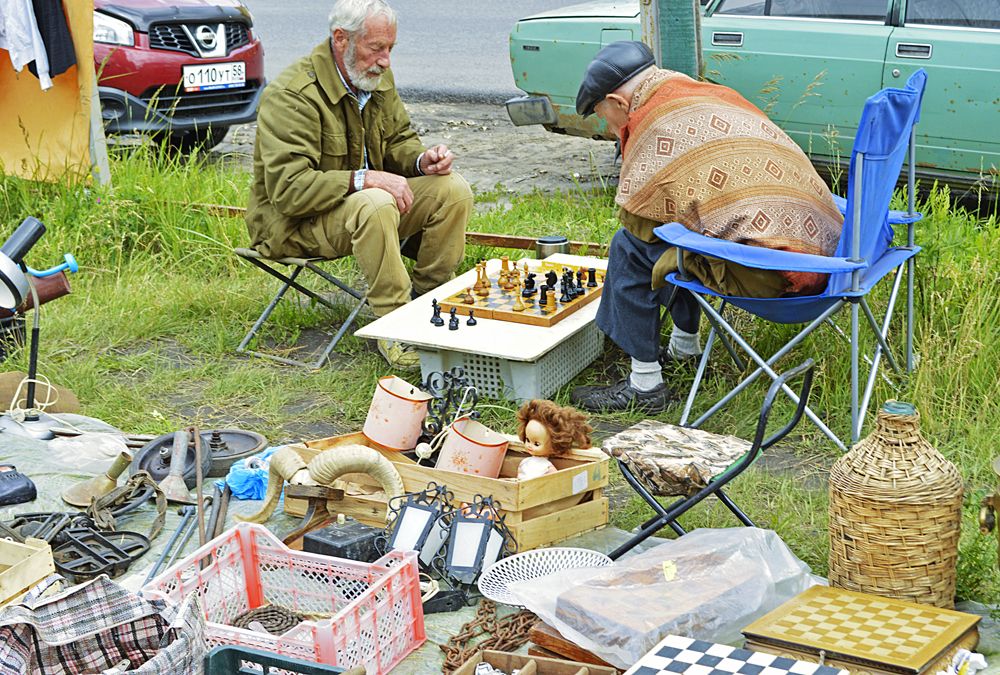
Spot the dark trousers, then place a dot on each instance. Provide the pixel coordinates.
(630, 309)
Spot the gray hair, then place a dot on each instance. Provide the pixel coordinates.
(350, 15)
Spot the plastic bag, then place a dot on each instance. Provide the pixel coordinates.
(247, 478)
(708, 585)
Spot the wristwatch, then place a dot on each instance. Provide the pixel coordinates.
(359, 180)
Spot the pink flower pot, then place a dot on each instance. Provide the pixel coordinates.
(396, 414)
(473, 448)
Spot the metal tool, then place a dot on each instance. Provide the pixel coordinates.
(199, 485)
(225, 447)
(81, 494)
(168, 555)
(173, 485)
(218, 521)
(87, 553)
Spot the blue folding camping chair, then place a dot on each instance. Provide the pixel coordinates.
(864, 256)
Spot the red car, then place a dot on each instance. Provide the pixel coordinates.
(183, 69)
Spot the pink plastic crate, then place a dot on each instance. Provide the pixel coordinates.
(365, 613)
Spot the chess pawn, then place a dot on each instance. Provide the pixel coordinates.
(453, 321)
(519, 305)
(468, 298)
(472, 318)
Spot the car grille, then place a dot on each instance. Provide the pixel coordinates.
(175, 103)
(172, 36)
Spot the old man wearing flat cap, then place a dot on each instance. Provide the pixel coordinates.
(701, 155)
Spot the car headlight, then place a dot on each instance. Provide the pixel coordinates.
(112, 31)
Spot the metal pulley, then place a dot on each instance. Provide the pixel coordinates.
(224, 446)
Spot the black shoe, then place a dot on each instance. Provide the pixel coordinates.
(668, 357)
(622, 396)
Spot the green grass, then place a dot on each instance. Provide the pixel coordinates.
(146, 339)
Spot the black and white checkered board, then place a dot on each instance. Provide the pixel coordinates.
(675, 655)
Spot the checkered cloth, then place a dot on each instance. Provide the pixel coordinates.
(676, 655)
(99, 627)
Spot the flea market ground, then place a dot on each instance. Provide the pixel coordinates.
(503, 160)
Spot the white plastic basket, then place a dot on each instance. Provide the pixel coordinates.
(494, 582)
(520, 380)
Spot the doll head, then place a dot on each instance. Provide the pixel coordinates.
(548, 429)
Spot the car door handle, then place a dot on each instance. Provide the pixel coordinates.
(727, 39)
(912, 50)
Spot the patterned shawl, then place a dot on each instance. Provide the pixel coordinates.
(700, 154)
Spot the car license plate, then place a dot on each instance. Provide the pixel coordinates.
(214, 76)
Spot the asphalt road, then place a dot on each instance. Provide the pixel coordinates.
(445, 50)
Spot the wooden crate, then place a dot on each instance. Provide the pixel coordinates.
(538, 511)
(22, 566)
(546, 666)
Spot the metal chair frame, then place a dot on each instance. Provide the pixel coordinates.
(667, 516)
(290, 281)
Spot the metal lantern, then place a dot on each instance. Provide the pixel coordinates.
(477, 538)
(416, 522)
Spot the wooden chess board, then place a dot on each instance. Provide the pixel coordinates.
(499, 304)
(864, 633)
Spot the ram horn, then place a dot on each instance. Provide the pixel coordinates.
(330, 465)
(284, 464)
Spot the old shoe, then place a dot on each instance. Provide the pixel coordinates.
(622, 396)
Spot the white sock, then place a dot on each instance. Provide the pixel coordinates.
(683, 343)
(646, 375)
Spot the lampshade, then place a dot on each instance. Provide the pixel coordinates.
(13, 281)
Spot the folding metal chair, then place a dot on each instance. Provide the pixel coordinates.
(659, 459)
(863, 258)
(297, 265)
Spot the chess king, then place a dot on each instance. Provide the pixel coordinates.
(668, 176)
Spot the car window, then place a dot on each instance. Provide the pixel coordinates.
(965, 13)
(744, 7)
(868, 10)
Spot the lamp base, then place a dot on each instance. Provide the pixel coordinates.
(39, 429)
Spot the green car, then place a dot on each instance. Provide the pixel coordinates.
(809, 64)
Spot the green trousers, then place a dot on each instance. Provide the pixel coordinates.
(368, 226)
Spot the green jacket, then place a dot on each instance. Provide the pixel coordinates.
(309, 141)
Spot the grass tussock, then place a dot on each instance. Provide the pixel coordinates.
(147, 338)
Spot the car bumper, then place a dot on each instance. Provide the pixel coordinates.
(124, 113)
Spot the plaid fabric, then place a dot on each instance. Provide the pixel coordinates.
(95, 627)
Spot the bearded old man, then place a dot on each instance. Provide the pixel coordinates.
(338, 169)
(701, 155)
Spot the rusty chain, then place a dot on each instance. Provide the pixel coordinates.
(506, 634)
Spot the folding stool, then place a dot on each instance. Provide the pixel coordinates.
(297, 265)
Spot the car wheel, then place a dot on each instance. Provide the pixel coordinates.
(205, 139)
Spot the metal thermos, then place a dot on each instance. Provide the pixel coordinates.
(546, 246)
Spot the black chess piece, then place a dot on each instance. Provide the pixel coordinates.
(453, 321)
(551, 279)
(591, 278)
(436, 318)
(565, 297)
(472, 319)
(529, 286)
(580, 274)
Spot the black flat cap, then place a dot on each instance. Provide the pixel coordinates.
(613, 66)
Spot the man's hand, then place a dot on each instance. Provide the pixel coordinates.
(436, 160)
(394, 185)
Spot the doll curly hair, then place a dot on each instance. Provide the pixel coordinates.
(568, 427)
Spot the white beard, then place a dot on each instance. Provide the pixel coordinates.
(365, 81)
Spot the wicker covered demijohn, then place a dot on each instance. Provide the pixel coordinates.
(895, 514)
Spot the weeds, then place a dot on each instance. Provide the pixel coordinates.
(147, 338)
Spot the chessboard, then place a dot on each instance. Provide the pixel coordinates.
(499, 300)
(676, 655)
(858, 629)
